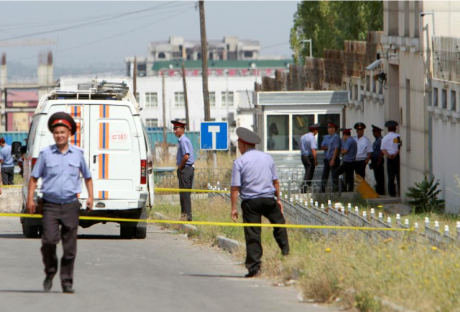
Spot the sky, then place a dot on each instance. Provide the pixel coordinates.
(89, 32)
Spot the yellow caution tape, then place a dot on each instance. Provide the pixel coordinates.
(11, 186)
(160, 189)
(289, 226)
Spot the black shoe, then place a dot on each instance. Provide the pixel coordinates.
(68, 290)
(48, 283)
(252, 274)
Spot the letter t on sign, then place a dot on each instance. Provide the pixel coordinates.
(214, 130)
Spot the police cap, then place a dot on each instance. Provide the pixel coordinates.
(247, 136)
(360, 126)
(375, 128)
(391, 124)
(62, 119)
(346, 131)
(331, 124)
(178, 123)
(314, 126)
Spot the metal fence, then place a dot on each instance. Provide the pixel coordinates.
(306, 211)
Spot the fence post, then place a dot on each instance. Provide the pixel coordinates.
(289, 187)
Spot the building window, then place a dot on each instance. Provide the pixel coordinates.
(323, 120)
(453, 100)
(248, 54)
(368, 83)
(355, 91)
(435, 97)
(179, 100)
(300, 124)
(212, 99)
(444, 98)
(151, 123)
(227, 99)
(161, 55)
(177, 55)
(151, 99)
(278, 133)
(408, 117)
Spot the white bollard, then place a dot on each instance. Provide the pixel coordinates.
(311, 202)
(322, 207)
(329, 204)
(416, 226)
(406, 222)
(364, 215)
(225, 189)
(356, 209)
(291, 200)
(306, 204)
(398, 218)
(372, 213)
(427, 222)
(389, 221)
(436, 225)
(349, 207)
(446, 230)
(218, 185)
(285, 197)
(380, 216)
(316, 205)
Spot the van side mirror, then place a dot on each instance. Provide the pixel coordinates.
(16, 149)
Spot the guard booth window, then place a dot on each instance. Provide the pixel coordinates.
(278, 132)
(300, 124)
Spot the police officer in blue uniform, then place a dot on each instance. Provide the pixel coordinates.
(377, 161)
(255, 179)
(308, 147)
(349, 149)
(331, 156)
(185, 161)
(7, 161)
(59, 166)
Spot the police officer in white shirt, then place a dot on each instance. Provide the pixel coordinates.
(364, 150)
(391, 144)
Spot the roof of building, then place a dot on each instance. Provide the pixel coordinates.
(176, 64)
(303, 98)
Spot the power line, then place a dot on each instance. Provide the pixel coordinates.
(109, 37)
(274, 45)
(87, 23)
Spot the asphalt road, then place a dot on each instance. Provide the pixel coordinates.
(165, 272)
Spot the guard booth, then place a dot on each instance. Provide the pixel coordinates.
(282, 118)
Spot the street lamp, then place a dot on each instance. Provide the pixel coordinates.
(311, 45)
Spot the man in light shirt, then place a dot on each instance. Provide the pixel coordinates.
(364, 150)
(308, 147)
(391, 144)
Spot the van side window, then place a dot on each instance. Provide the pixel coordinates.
(31, 135)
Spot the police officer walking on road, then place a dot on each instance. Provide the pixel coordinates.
(185, 168)
(331, 156)
(390, 148)
(348, 152)
(255, 179)
(59, 166)
(363, 155)
(6, 159)
(308, 147)
(377, 161)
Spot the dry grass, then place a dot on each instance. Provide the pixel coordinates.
(348, 269)
(204, 159)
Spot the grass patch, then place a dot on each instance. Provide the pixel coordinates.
(348, 268)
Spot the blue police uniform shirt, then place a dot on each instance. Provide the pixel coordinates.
(254, 172)
(5, 155)
(307, 143)
(185, 147)
(60, 173)
(334, 142)
(352, 147)
(376, 147)
(325, 141)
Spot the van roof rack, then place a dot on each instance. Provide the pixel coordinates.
(95, 90)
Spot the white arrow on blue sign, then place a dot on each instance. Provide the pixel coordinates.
(214, 136)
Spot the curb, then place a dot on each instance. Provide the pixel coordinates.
(228, 244)
(187, 228)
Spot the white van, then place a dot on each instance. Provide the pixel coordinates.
(116, 149)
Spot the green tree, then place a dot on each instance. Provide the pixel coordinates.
(330, 23)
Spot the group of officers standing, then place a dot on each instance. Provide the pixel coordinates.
(357, 152)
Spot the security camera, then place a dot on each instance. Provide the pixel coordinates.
(374, 65)
(422, 14)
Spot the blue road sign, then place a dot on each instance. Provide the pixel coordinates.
(214, 136)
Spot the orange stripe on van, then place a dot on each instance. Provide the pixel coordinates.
(76, 138)
(104, 111)
(104, 135)
(103, 166)
(75, 111)
(103, 195)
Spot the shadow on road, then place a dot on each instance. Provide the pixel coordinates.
(99, 236)
(29, 291)
(214, 275)
(13, 235)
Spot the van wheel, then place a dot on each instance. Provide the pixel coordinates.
(30, 231)
(141, 231)
(126, 232)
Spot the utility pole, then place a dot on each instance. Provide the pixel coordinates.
(135, 78)
(187, 126)
(164, 106)
(204, 58)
